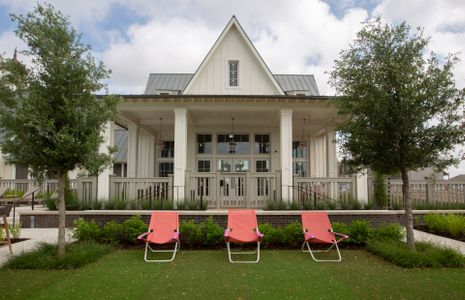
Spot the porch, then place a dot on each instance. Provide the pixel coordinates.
(229, 151)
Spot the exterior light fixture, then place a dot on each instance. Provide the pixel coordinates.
(232, 142)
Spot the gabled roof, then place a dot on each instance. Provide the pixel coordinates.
(178, 82)
(234, 23)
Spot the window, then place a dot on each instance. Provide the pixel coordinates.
(224, 165)
(204, 143)
(299, 152)
(241, 166)
(299, 168)
(203, 166)
(165, 169)
(262, 165)
(262, 144)
(120, 169)
(233, 72)
(224, 144)
(168, 149)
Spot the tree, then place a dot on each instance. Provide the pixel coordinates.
(49, 114)
(402, 106)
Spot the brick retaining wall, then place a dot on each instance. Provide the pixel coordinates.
(49, 219)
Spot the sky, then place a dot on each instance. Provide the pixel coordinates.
(136, 37)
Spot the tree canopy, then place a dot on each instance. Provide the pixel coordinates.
(51, 119)
(403, 108)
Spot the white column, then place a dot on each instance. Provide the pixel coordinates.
(133, 145)
(180, 152)
(331, 155)
(103, 180)
(318, 156)
(286, 153)
(362, 186)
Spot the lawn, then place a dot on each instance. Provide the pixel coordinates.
(282, 274)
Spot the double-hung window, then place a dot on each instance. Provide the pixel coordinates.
(233, 73)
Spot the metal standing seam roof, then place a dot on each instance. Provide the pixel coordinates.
(121, 143)
(178, 81)
(169, 81)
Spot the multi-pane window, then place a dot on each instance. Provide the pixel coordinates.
(241, 166)
(299, 168)
(262, 165)
(236, 144)
(299, 157)
(299, 150)
(224, 165)
(168, 149)
(204, 143)
(120, 169)
(233, 72)
(165, 169)
(203, 166)
(262, 144)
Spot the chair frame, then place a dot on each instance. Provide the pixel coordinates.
(334, 244)
(177, 246)
(232, 252)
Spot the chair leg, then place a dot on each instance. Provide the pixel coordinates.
(177, 246)
(231, 253)
(7, 232)
(327, 250)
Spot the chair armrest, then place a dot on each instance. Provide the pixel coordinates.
(176, 235)
(142, 236)
(227, 232)
(344, 236)
(259, 234)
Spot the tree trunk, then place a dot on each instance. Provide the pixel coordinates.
(408, 210)
(61, 215)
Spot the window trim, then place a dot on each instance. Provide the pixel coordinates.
(230, 62)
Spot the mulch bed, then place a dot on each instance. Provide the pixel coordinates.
(460, 238)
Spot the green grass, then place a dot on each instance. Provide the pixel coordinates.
(45, 257)
(281, 274)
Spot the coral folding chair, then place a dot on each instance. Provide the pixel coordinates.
(163, 229)
(242, 228)
(317, 230)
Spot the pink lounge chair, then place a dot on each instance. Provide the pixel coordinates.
(163, 229)
(242, 228)
(317, 229)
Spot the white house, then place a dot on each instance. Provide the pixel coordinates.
(232, 133)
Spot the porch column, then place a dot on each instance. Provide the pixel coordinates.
(286, 153)
(103, 179)
(331, 155)
(361, 182)
(133, 151)
(180, 152)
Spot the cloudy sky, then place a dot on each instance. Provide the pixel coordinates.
(136, 37)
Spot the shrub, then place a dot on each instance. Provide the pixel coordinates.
(213, 234)
(292, 235)
(50, 203)
(425, 256)
(191, 233)
(86, 231)
(391, 232)
(15, 230)
(380, 193)
(360, 232)
(116, 203)
(271, 235)
(46, 256)
(2, 234)
(450, 224)
(112, 233)
(276, 205)
(132, 228)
